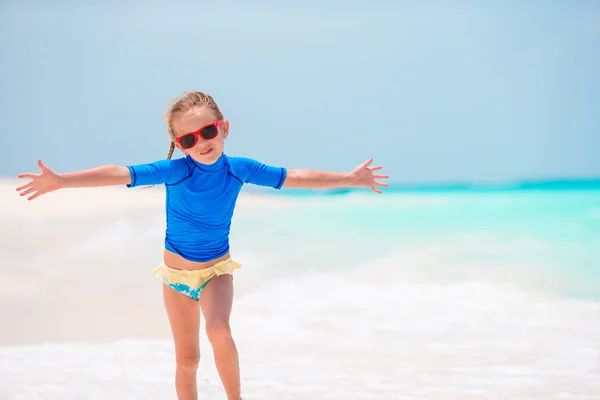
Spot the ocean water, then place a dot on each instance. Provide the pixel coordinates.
(423, 294)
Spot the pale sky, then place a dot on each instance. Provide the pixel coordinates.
(434, 91)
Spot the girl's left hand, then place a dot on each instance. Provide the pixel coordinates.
(363, 176)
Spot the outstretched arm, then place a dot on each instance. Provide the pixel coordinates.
(49, 181)
(361, 176)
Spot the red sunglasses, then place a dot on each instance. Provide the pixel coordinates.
(208, 132)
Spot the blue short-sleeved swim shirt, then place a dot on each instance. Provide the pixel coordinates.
(200, 199)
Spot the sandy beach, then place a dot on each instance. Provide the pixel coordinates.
(432, 296)
(64, 275)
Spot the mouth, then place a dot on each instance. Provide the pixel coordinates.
(207, 152)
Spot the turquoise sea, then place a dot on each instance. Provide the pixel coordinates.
(423, 292)
(547, 232)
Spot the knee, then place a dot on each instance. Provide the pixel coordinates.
(218, 331)
(188, 359)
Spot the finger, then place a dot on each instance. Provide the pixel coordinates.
(25, 186)
(41, 165)
(373, 188)
(34, 196)
(380, 184)
(375, 168)
(366, 163)
(25, 193)
(27, 175)
(377, 176)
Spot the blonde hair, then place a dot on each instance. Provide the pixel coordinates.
(189, 100)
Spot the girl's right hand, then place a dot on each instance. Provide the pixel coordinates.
(46, 182)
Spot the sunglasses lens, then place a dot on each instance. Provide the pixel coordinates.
(210, 132)
(187, 141)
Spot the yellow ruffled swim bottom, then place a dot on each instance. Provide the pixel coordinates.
(191, 282)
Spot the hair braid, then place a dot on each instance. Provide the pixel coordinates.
(171, 150)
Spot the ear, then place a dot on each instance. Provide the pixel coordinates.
(225, 129)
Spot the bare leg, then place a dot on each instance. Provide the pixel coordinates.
(216, 301)
(184, 317)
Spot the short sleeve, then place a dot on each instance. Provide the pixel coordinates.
(260, 174)
(157, 173)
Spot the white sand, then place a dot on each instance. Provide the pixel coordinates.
(66, 276)
(77, 269)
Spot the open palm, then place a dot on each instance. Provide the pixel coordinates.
(364, 176)
(47, 181)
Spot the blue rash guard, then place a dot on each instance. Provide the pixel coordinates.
(200, 199)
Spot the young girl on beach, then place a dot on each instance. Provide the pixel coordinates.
(201, 193)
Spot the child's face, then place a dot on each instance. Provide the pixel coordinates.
(204, 151)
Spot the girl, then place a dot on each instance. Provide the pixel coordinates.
(201, 189)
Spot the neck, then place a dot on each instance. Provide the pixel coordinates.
(214, 166)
